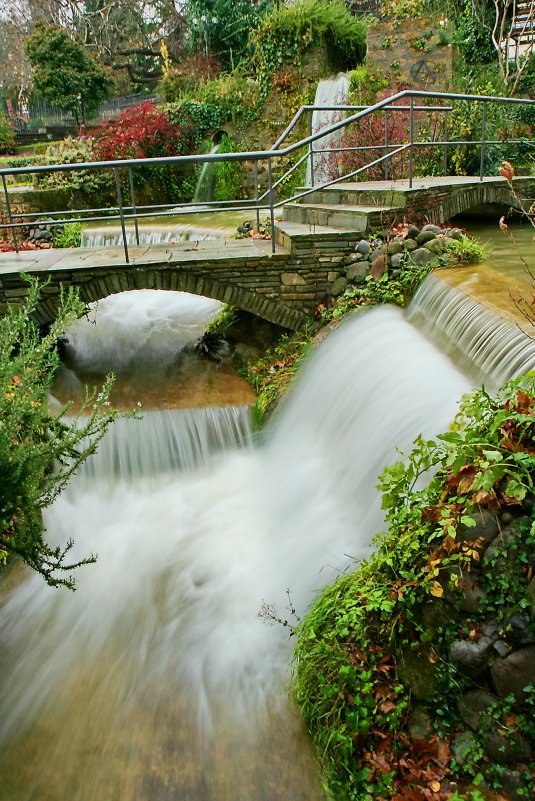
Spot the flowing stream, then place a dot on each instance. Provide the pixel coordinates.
(159, 678)
(162, 678)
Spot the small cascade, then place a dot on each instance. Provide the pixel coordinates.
(204, 191)
(148, 235)
(165, 441)
(488, 348)
(330, 92)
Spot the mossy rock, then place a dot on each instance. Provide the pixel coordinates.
(416, 672)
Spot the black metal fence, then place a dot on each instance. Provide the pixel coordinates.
(38, 116)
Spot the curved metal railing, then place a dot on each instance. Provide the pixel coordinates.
(266, 201)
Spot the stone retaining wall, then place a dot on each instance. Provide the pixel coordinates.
(410, 53)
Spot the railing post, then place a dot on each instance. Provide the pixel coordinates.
(121, 212)
(133, 200)
(483, 121)
(446, 143)
(9, 215)
(411, 129)
(256, 194)
(311, 150)
(386, 146)
(271, 209)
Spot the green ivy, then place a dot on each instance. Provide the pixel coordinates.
(229, 183)
(68, 235)
(206, 117)
(285, 35)
(359, 633)
(230, 96)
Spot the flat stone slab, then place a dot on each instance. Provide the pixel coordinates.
(431, 182)
(362, 209)
(51, 259)
(317, 231)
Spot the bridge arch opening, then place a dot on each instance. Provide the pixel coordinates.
(484, 212)
(156, 328)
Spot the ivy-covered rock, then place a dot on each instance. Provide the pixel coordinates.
(399, 648)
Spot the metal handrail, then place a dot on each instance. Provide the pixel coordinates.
(387, 105)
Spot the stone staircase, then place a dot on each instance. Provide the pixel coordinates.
(338, 211)
(337, 216)
(354, 206)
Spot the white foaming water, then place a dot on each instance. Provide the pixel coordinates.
(150, 235)
(133, 330)
(330, 92)
(204, 191)
(491, 350)
(166, 441)
(185, 563)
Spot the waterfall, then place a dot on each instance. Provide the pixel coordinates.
(490, 349)
(330, 92)
(148, 235)
(204, 191)
(159, 677)
(166, 441)
(141, 329)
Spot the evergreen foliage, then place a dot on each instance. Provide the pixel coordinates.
(7, 139)
(65, 73)
(289, 30)
(222, 27)
(39, 452)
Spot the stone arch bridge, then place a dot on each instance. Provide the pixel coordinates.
(280, 284)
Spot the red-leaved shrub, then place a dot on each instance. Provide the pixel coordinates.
(143, 132)
(373, 131)
(146, 132)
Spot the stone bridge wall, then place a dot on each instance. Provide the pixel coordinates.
(281, 288)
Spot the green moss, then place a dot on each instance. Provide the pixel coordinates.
(288, 32)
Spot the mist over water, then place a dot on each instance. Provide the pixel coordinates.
(158, 679)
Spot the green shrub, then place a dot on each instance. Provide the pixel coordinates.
(229, 184)
(7, 138)
(231, 96)
(97, 185)
(39, 452)
(42, 147)
(67, 236)
(365, 85)
(25, 161)
(502, 124)
(353, 644)
(285, 35)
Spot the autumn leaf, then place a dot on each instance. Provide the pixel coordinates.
(484, 498)
(507, 171)
(503, 226)
(436, 589)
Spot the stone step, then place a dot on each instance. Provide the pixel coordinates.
(352, 217)
(356, 195)
(300, 238)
